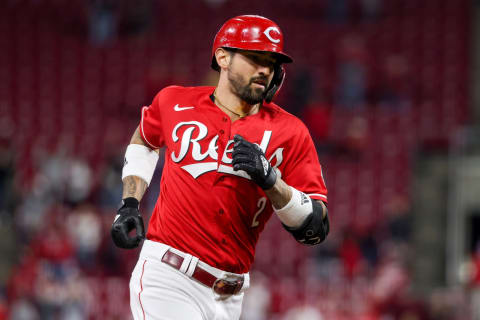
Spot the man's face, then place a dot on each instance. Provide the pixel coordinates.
(250, 74)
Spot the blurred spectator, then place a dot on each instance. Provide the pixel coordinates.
(7, 172)
(53, 241)
(76, 301)
(390, 294)
(59, 179)
(352, 72)
(22, 278)
(337, 11)
(59, 292)
(394, 85)
(23, 309)
(78, 181)
(53, 172)
(399, 219)
(368, 242)
(301, 90)
(351, 255)
(61, 176)
(317, 115)
(84, 228)
(8, 200)
(111, 184)
(353, 142)
(136, 17)
(352, 11)
(215, 3)
(351, 87)
(371, 10)
(102, 21)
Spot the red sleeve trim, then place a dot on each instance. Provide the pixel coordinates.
(318, 196)
(142, 132)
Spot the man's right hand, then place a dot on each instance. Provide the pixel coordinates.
(127, 219)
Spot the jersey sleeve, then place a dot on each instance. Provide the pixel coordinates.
(151, 128)
(302, 168)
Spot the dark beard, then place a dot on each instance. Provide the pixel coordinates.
(246, 92)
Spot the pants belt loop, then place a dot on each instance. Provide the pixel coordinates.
(246, 282)
(192, 266)
(185, 263)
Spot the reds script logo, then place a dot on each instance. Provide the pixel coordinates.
(190, 143)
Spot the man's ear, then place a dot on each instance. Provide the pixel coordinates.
(223, 58)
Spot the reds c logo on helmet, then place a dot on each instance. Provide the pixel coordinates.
(250, 32)
(269, 36)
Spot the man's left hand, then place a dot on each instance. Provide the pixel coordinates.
(250, 158)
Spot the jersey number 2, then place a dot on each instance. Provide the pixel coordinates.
(260, 205)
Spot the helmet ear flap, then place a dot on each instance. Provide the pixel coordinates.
(276, 84)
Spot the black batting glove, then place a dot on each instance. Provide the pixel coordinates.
(251, 159)
(127, 219)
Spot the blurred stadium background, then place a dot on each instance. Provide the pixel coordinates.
(389, 90)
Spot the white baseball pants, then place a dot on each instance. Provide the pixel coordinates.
(160, 292)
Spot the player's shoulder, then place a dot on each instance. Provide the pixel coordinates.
(284, 118)
(180, 91)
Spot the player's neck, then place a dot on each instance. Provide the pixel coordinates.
(232, 104)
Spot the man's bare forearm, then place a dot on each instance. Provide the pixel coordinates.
(134, 186)
(280, 194)
(137, 138)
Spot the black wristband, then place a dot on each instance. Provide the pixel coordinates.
(269, 180)
(130, 202)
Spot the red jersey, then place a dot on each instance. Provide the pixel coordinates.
(204, 207)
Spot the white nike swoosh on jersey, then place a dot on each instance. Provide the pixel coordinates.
(178, 108)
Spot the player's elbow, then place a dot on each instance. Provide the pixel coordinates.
(316, 227)
(137, 139)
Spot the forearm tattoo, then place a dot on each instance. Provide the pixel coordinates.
(280, 194)
(134, 187)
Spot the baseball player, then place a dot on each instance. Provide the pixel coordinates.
(232, 159)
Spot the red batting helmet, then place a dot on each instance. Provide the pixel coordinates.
(250, 32)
